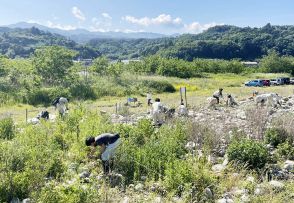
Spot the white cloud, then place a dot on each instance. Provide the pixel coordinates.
(102, 24)
(59, 26)
(78, 13)
(162, 19)
(106, 15)
(33, 21)
(196, 27)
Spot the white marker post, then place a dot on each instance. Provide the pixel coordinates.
(183, 91)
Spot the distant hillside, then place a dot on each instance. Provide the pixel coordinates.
(83, 36)
(16, 42)
(223, 42)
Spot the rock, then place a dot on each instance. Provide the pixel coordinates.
(290, 104)
(208, 193)
(84, 174)
(218, 168)
(177, 199)
(15, 200)
(157, 200)
(289, 165)
(190, 145)
(143, 178)
(139, 187)
(225, 162)
(250, 179)
(245, 198)
(224, 200)
(241, 115)
(259, 191)
(27, 200)
(116, 179)
(277, 185)
(126, 200)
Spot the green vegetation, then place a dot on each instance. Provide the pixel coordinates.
(248, 152)
(219, 42)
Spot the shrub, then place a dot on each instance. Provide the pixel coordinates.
(150, 156)
(276, 136)
(250, 152)
(158, 86)
(83, 91)
(6, 128)
(46, 95)
(189, 176)
(286, 150)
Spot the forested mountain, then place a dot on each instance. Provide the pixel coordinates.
(221, 42)
(83, 35)
(17, 42)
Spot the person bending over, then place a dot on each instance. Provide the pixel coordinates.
(108, 144)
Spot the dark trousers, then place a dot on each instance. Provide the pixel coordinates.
(217, 98)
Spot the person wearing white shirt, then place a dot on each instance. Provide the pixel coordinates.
(218, 94)
(149, 98)
(182, 110)
(157, 110)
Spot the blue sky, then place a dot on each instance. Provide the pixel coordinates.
(160, 16)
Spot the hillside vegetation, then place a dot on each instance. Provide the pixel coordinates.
(220, 42)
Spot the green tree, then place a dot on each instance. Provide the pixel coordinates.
(100, 65)
(52, 63)
(273, 63)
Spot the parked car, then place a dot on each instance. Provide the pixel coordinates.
(254, 83)
(292, 81)
(274, 82)
(283, 81)
(266, 82)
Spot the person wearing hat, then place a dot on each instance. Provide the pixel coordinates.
(218, 94)
(108, 144)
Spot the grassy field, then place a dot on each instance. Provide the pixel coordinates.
(198, 89)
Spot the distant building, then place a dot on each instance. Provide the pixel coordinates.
(250, 63)
(85, 62)
(125, 61)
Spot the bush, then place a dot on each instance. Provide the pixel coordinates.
(6, 128)
(250, 152)
(189, 176)
(146, 153)
(158, 86)
(46, 95)
(286, 151)
(83, 91)
(276, 136)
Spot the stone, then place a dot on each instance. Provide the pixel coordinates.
(158, 200)
(190, 145)
(259, 191)
(277, 185)
(27, 200)
(208, 193)
(250, 179)
(218, 168)
(245, 198)
(15, 200)
(126, 199)
(224, 200)
(288, 165)
(139, 187)
(85, 174)
(143, 178)
(116, 179)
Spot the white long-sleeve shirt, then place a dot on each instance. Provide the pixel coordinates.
(217, 94)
